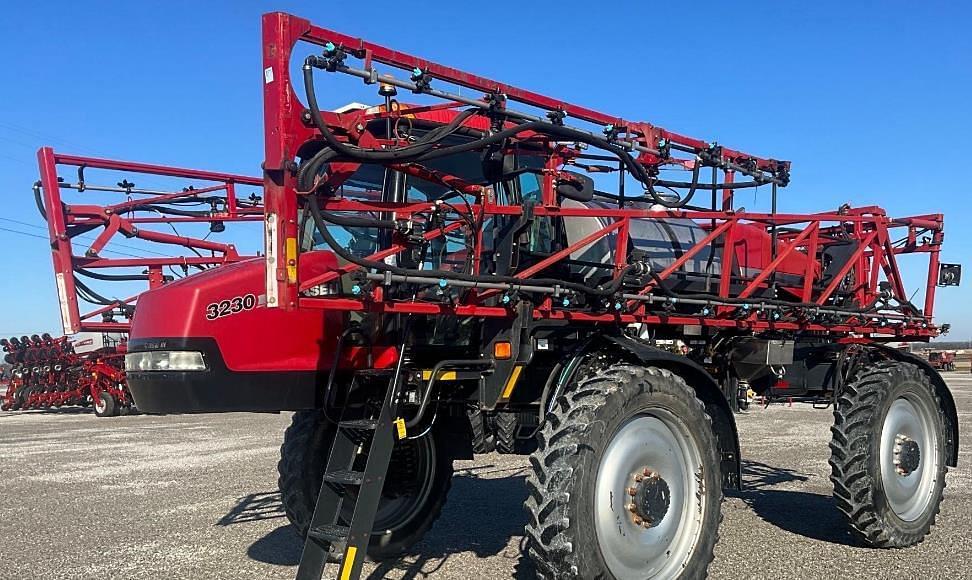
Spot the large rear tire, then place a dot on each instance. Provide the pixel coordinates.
(888, 454)
(419, 478)
(625, 482)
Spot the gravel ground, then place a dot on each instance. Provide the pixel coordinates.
(195, 497)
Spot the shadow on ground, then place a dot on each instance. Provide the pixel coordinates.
(481, 515)
(810, 515)
(254, 507)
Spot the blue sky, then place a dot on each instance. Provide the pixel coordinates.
(870, 100)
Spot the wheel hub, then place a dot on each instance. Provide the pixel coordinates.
(907, 455)
(650, 499)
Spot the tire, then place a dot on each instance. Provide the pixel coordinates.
(19, 398)
(303, 457)
(105, 405)
(592, 447)
(507, 425)
(483, 440)
(889, 412)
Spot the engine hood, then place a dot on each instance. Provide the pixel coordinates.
(228, 304)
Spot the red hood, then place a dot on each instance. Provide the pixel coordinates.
(229, 304)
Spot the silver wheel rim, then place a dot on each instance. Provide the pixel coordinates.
(661, 443)
(909, 492)
(100, 404)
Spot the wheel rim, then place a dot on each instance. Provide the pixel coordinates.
(909, 456)
(658, 444)
(100, 404)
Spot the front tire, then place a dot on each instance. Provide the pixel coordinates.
(625, 482)
(888, 454)
(410, 504)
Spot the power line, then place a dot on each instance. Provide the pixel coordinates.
(88, 238)
(47, 137)
(48, 239)
(23, 233)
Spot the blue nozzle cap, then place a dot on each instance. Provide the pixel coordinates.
(617, 306)
(506, 299)
(416, 72)
(443, 282)
(565, 302)
(356, 289)
(329, 47)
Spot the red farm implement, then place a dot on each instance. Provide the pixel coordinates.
(116, 235)
(48, 372)
(484, 267)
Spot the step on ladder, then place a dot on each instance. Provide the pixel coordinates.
(327, 536)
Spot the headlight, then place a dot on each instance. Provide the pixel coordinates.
(164, 360)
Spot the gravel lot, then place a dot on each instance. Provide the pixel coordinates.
(195, 497)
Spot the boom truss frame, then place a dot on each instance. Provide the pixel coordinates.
(120, 220)
(289, 127)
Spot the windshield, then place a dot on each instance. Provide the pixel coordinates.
(368, 184)
(374, 182)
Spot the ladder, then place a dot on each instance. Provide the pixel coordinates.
(327, 536)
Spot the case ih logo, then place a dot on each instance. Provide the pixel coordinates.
(85, 342)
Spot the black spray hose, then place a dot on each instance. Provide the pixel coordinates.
(112, 277)
(423, 150)
(39, 201)
(357, 222)
(93, 296)
(72, 230)
(169, 210)
(708, 186)
(422, 145)
(683, 199)
(319, 222)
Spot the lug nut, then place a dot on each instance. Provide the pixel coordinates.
(632, 491)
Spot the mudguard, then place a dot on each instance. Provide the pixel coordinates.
(944, 395)
(706, 388)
